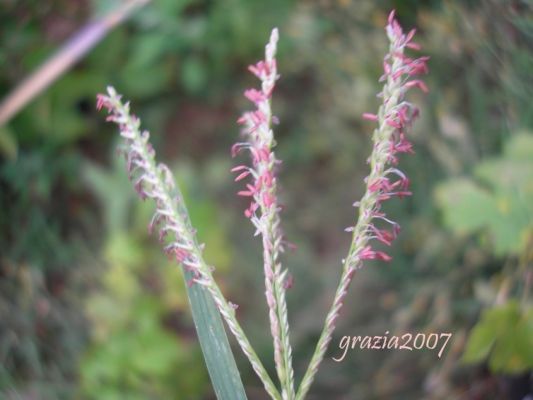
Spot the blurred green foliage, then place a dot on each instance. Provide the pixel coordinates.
(134, 354)
(506, 333)
(91, 308)
(140, 340)
(500, 198)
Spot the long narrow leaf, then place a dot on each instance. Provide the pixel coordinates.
(155, 181)
(218, 357)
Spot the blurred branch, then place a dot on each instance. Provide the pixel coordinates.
(72, 51)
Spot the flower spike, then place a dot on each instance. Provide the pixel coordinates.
(394, 119)
(263, 210)
(155, 181)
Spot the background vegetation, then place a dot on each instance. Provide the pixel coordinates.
(90, 308)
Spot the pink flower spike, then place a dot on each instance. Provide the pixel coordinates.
(367, 253)
(384, 196)
(398, 74)
(403, 146)
(263, 211)
(380, 255)
(256, 69)
(258, 186)
(267, 178)
(370, 117)
(417, 83)
(261, 69)
(268, 199)
(288, 283)
(386, 68)
(255, 95)
(378, 184)
(239, 168)
(258, 117)
(242, 176)
(410, 36)
(403, 194)
(181, 255)
(403, 57)
(393, 123)
(395, 111)
(413, 46)
(386, 237)
(264, 154)
(248, 213)
(418, 66)
(235, 149)
(102, 101)
(391, 16)
(404, 183)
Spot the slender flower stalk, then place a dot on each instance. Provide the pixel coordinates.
(155, 181)
(394, 118)
(264, 209)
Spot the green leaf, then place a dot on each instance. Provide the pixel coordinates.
(479, 343)
(218, 356)
(214, 342)
(504, 334)
(507, 174)
(500, 200)
(465, 205)
(512, 352)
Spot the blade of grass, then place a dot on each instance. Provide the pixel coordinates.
(171, 219)
(218, 357)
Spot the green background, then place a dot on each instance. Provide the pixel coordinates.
(90, 308)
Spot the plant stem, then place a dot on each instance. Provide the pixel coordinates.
(394, 117)
(156, 182)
